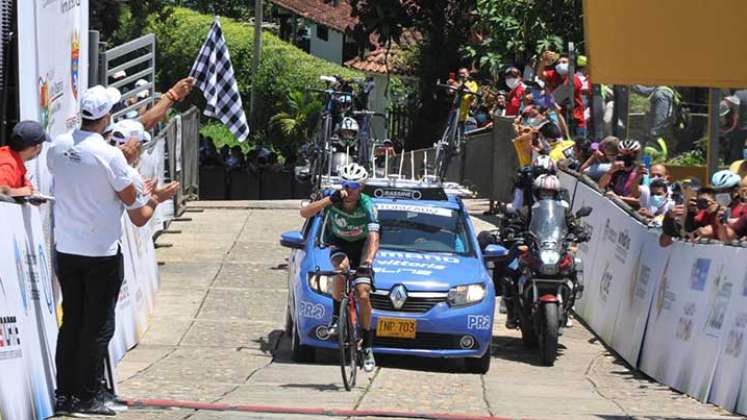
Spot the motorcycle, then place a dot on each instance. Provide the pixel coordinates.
(540, 276)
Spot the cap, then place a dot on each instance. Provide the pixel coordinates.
(126, 129)
(143, 93)
(733, 99)
(98, 101)
(30, 133)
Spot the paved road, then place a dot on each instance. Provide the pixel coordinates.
(217, 337)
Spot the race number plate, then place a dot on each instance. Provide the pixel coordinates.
(393, 327)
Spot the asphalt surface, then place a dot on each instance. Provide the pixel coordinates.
(217, 338)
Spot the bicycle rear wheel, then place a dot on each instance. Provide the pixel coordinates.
(348, 345)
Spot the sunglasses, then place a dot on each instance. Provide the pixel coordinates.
(349, 185)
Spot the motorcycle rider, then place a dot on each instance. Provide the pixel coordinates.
(352, 233)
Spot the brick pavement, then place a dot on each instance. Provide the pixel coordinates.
(217, 336)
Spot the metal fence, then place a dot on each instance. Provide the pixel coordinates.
(131, 68)
(181, 135)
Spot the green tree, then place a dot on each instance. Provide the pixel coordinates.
(513, 31)
(296, 125)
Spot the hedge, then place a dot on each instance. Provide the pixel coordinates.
(283, 67)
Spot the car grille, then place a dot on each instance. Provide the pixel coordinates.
(412, 304)
(423, 341)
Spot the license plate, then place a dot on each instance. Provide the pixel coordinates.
(393, 327)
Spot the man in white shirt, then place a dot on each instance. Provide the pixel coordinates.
(93, 185)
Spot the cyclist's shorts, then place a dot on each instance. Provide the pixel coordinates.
(352, 250)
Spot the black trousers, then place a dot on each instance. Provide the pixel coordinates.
(90, 289)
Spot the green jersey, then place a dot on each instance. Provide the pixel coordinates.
(354, 226)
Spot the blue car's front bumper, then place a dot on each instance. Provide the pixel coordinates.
(439, 330)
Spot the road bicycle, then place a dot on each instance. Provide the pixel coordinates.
(450, 143)
(349, 338)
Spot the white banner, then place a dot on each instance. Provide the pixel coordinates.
(53, 69)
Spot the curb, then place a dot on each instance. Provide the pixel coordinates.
(155, 403)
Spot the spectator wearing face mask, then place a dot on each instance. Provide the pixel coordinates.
(558, 76)
(727, 185)
(658, 202)
(512, 77)
(624, 177)
(600, 162)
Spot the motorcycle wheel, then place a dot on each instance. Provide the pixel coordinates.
(528, 336)
(548, 337)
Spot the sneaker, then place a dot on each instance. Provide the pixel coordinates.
(568, 322)
(62, 405)
(92, 408)
(332, 328)
(112, 402)
(369, 363)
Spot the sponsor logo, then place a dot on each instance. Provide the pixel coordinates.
(45, 279)
(685, 323)
(735, 339)
(421, 257)
(413, 264)
(10, 338)
(664, 297)
(413, 271)
(620, 239)
(433, 211)
(20, 269)
(398, 296)
(74, 61)
(478, 322)
(311, 310)
(68, 5)
(699, 273)
(398, 193)
(605, 283)
(719, 304)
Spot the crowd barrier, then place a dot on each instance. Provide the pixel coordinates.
(29, 292)
(678, 314)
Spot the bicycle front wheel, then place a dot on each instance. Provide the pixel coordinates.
(348, 345)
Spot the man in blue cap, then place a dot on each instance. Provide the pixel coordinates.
(25, 143)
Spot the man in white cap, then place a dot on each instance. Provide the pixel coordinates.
(92, 186)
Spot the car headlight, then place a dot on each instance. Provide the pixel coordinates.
(322, 284)
(466, 294)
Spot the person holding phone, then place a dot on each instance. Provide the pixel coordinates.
(625, 175)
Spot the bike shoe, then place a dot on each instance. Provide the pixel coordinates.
(369, 363)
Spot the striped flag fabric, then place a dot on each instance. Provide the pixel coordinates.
(214, 76)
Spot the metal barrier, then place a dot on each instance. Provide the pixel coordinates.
(137, 59)
(181, 135)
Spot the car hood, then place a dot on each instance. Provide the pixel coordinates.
(425, 271)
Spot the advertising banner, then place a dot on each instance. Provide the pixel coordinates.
(53, 69)
(686, 321)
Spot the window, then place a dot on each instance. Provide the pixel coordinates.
(322, 32)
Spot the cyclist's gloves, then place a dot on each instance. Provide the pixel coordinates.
(335, 197)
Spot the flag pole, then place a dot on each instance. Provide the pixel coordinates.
(255, 61)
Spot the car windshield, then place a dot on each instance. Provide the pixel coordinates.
(548, 223)
(423, 229)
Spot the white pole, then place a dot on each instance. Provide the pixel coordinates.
(401, 161)
(412, 165)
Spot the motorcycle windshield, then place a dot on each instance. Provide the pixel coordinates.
(548, 224)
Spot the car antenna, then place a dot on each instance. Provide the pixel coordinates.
(386, 162)
(401, 161)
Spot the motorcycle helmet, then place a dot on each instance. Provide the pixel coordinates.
(544, 164)
(547, 185)
(630, 146)
(725, 179)
(354, 172)
(348, 128)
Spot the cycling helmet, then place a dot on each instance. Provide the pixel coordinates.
(630, 146)
(348, 128)
(354, 172)
(544, 164)
(547, 182)
(725, 179)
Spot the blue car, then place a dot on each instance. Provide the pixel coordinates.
(433, 296)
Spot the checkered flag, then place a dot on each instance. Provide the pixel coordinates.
(214, 76)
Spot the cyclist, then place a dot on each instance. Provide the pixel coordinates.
(352, 232)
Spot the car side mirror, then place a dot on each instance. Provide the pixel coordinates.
(584, 211)
(292, 239)
(494, 252)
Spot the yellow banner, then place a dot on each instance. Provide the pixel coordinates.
(667, 42)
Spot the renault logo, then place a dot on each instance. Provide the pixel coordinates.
(398, 296)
